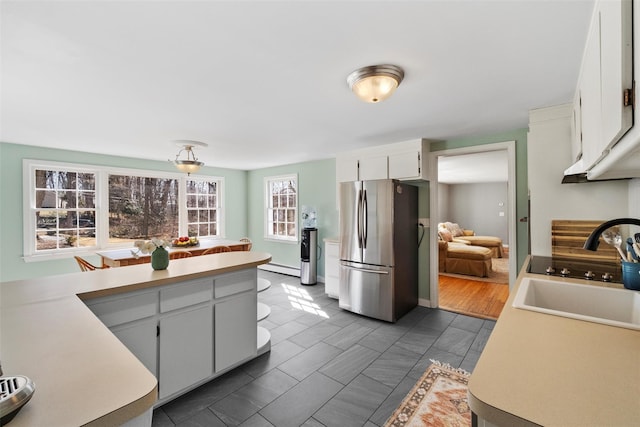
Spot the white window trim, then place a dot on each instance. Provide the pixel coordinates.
(102, 200)
(267, 193)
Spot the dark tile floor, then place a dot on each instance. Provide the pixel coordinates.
(328, 367)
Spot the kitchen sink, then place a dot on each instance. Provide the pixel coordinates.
(609, 306)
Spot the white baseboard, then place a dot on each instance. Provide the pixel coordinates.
(279, 268)
(424, 302)
(286, 269)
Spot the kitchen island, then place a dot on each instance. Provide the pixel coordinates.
(540, 369)
(83, 374)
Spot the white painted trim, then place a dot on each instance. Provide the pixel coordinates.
(422, 302)
(279, 268)
(510, 146)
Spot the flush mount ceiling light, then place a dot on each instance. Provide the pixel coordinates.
(189, 163)
(376, 82)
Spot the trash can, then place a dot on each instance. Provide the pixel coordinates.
(308, 256)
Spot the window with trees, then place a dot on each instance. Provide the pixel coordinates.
(281, 207)
(76, 207)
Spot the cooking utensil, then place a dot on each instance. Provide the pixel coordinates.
(631, 251)
(636, 244)
(614, 239)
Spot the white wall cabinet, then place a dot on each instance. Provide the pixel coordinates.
(188, 332)
(331, 268)
(403, 160)
(602, 115)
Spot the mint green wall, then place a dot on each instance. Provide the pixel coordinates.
(522, 210)
(316, 187)
(12, 267)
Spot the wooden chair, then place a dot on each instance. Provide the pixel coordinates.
(179, 254)
(248, 242)
(87, 266)
(216, 250)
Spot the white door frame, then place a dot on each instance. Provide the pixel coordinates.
(510, 146)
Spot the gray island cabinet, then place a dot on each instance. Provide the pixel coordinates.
(189, 332)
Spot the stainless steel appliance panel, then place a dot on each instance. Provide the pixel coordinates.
(366, 221)
(367, 290)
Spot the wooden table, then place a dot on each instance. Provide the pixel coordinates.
(124, 257)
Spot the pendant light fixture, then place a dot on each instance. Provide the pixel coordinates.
(375, 83)
(189, 162)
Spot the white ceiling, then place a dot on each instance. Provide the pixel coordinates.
(264, 82)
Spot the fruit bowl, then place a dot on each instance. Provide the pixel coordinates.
(184, 242)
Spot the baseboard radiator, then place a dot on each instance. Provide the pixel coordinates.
(280, 268)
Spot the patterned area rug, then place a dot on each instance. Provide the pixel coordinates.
(439, 399)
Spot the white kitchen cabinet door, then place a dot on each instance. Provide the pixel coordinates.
(186, 349)
(141, 339)
(404, 165)
(591, 98)
(616, 68)
(346, 169)
(331, 269)
(235, 330)
(373, 168)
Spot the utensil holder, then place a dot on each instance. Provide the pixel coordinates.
(631, 275)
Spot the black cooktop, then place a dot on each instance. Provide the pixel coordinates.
(576, 269)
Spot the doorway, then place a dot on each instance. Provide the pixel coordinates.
(483, 153)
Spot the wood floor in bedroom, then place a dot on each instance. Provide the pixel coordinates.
(473, 298)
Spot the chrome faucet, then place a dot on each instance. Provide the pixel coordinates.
(593, 240)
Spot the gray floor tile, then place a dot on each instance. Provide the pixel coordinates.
(298, 404)
(454, 340)
(314, 334)
(390, 404)
(481, 339)
(383, 337)
(160, 419)
(349, 364)
(310, 360)
(467, 323)
(441, 356)
(354, 404)
(246, 401)
(312, 422)
(285, 331)
(418, 340)
(392, 365)
(187, 405)
(436, 319)
(279, 353)
(256, 420)
(470, 360)
(203, 418)
(348, 336)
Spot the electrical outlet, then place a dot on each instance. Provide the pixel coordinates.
(424, 222)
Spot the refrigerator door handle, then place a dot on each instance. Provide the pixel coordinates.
(364, 219)
(366, 270)
(359, 218)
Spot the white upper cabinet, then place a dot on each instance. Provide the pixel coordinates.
(602, 109)
(403, 160)
(372, 168)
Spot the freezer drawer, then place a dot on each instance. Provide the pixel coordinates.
(367, 290)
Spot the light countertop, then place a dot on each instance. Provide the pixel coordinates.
(82, 373)
(540, 369)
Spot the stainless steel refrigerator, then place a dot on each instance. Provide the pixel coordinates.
(378, 248)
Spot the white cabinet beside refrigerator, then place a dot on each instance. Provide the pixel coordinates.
(331, 267)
